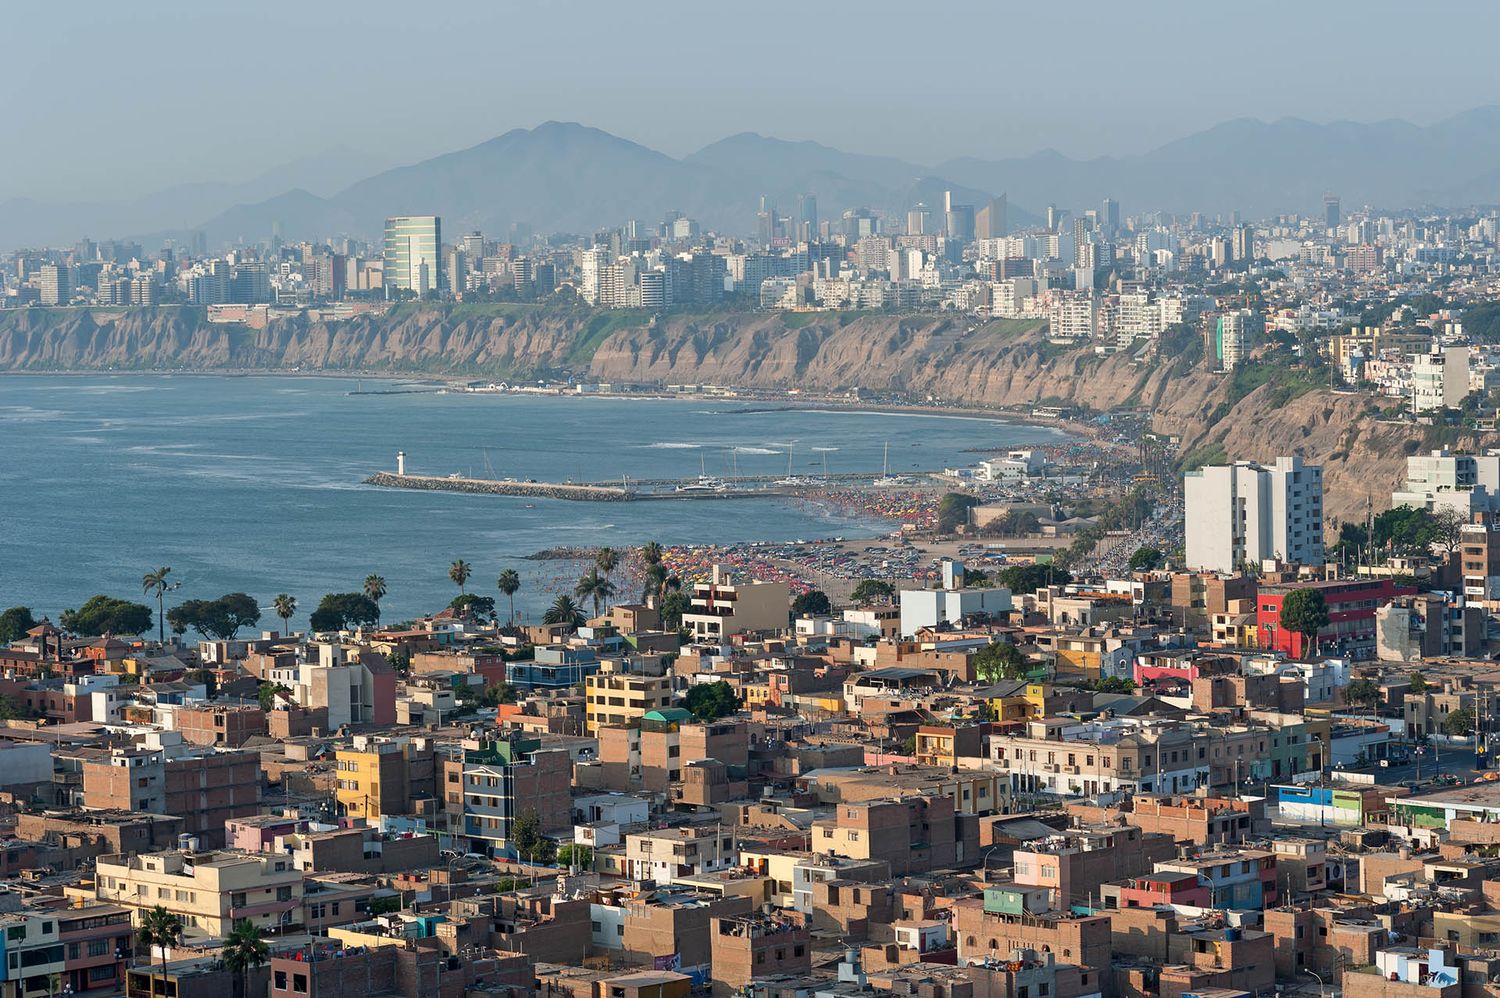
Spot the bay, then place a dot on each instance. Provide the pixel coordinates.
(254, 484)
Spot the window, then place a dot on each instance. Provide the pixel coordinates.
(299, 983)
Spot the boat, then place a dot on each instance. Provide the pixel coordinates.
(790, 480)
(705, 483)
(885, 470)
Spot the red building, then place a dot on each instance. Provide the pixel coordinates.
(1351, 616)
(1162, 888)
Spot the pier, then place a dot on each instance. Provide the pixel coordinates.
(586, 492)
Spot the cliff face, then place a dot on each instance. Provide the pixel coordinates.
(952, 358)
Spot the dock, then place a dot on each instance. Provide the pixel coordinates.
(585, 492)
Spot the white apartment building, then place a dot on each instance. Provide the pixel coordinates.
(1439, 380)
(720, 607)
(1235, 334)
(1245, 512)
(1469, 483)
(922, 608)
(1071, 316)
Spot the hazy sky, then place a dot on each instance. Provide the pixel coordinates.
(112, 100)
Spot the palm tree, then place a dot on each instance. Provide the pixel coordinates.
(375, 589)
(459, 572)
(563, 611)
(244, 950)
(162, 929)
(285, 606)
(156, 583)
(651, 553)
(508, 583)
(656, 581)
(607, 560)
(595, 587)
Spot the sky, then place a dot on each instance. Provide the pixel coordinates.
(121, 100)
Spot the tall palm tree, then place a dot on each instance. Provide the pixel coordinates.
(607, 560)
(244, 950)
(656, 581)
(155, 583)
(595, 587)
(162, 929)
(285, 606)
(508, 583)
(459, 572)
(375, 589)
(651, 553)
(563, 611)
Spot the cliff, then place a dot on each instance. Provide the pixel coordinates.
(950, 357)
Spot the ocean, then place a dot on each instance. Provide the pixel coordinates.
(254, 484)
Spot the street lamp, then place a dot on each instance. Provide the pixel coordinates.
(1319, 979)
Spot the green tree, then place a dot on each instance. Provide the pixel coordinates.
(459, 572)
(813, 603)
(1459, 723)
(1000, 660)
(1114, 684)
(14, 623)
(975, 577)
(595, 586)
(156, 584)
(953, 511)
(285, 606)
(161, 929)
(374, 588)
(500, 693)
(575, 854)
(564, 611)
(1363, 693)
(673, 606)
(528, 841)
(509, 583)
(651, 553)
(474, 605)
(220, 618)
(1416, 682)
(606, 560)
(1021, 579)
(267, 693)
(1145, 559)
(873, 591)
(1305, 612)
(107, 615)
(244, 950)
(8, 709)
(340, 611)
(708, 701)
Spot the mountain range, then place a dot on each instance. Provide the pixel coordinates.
(567, 177)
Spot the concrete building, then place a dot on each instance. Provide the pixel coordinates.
(209, 891)
(1469, 483)
(624, 698)
(497, 780)
(1439, 379)
(748, 947)
(667, 854)
(383, 776)
(721, 607)
(413, 246)
(952, 603)
(204, 788)
(1245, 512)
(1235, 334)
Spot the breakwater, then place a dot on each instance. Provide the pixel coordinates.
(534, 490)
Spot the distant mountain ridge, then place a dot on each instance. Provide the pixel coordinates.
(568, 177)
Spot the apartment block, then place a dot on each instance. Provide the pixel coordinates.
(209, 891)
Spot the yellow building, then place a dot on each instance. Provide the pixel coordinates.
(373, 777)
(208, 891)
(623, 698)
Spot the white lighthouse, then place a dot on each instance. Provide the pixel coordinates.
(401, 462)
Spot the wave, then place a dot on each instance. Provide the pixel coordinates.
(824, 450)
(758, 450)
(673, 445)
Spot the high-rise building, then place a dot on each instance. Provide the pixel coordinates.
(412, 247)
(990, 222)
(958, 219)
(1109, 216)
(1439, 379)
(918, 220)
(1234, 334)
(1245, 512)
(1331, 211)
(474, 248)
(1243, 239)
(807, 211)
(1053, 217)
(56, 280)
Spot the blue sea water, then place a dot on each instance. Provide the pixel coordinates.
(254, 483)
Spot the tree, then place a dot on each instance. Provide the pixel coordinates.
(1000, 660)
(267, 694)
(651, 553)
(207, 677)
(975, 577)
(529, 842)
(709, 701)
(953, 511)
(1447, 528)
(459, 572)
(594, 586)
(374, 588)
(1114, 684)
(1305, 612)
(156, 584)
(1416, 682)
(564, 611)
(1362, 693)
(1145, 559)
(14, 623)
(163, 930)
(673, 606)
(654, 582)
(509, 583)
(337, 611)
(1020, 579)
(474, 605)
(243, 951)
(1459, 723)
(607, 560)
(285, 606)
(107, 615)
(220, 618)
(873, 591)
(500, 693)
(813, 603)
(575, 854)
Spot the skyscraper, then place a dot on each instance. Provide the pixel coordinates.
(918, 220)
(991, 222)
(1053, 217)
(1331, 212)
(1109, 216)
(412, 247)
(56, 284)
(807, 212)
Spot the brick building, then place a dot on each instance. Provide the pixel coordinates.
(204, 788)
